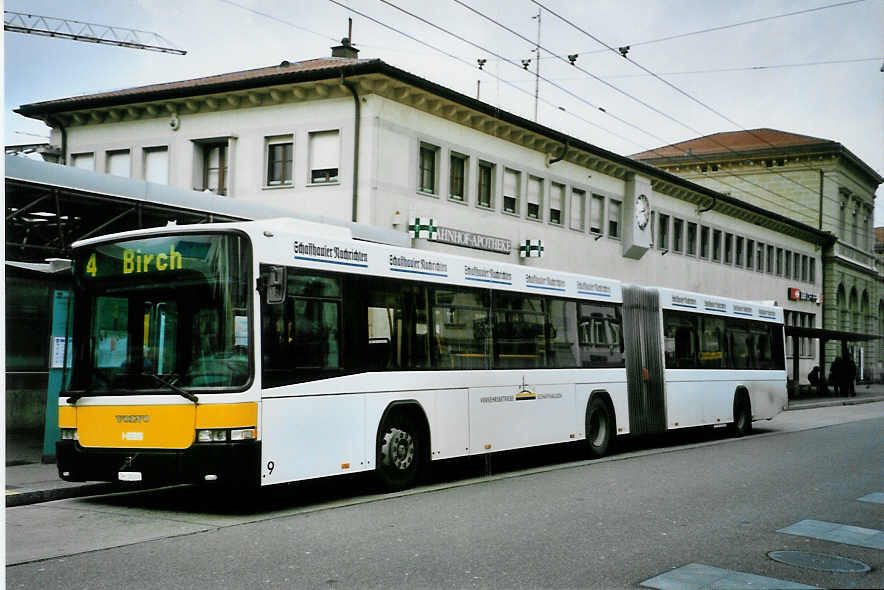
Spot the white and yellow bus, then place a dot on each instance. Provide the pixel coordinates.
(274, 351)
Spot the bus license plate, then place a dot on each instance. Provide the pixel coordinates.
(129, 475)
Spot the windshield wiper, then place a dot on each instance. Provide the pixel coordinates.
(180, 391)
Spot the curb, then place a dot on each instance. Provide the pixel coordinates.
(834, 402)
(25, 497)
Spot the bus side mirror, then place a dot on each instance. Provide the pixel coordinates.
(272, 284)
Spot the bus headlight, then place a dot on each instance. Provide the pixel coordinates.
(243, 434)
(69, 434)
(210, 435)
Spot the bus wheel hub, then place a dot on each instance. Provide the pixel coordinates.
(398, 449)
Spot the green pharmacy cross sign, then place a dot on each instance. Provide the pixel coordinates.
(531, 249)
(423, 227)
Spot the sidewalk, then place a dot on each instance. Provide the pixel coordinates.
(864, 394)
(28, 481)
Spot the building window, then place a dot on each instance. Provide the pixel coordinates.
(485, 197)
(855, 226)
(796, 266)
(738, 251)
(279, 161)
(119, 163)
(325, 156)
(85, 161)
(613, 219)
(779, 269)
(787, 320)
(578, 209)
(596, 214)
(804, 268)
(663, 231)
(556, 200)
(867, 236)
(811, 270)
(759, 256)
(535, 197)
(728, 248)
(770, 259)
(704, 241)
(457, 177)
(678, 235)
(512, 185)
(692, 239)
(716, 245)
(750, 254)
(156, 165)
(214, 161)
(787, 268)
(427, 182)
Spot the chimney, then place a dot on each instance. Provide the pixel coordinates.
(345, 49)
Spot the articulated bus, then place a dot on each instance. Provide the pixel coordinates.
(274, 351)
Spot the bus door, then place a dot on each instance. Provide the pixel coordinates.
(644, 360)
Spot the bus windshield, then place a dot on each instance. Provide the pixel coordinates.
(161, 314)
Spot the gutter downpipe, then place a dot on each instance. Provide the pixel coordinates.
(358, 123)
(822, 280)
(55, 121)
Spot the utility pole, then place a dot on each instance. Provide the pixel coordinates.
(62, 28)
(537, 67)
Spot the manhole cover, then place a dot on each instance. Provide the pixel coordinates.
(820, 561)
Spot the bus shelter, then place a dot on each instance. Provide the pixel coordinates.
(824, 336)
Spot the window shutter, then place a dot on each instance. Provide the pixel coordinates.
(324, 150)
(156, 165)
(84, 161)
(510, 183)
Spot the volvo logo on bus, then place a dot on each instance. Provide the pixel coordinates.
(133, 418)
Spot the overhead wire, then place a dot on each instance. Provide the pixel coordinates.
(696, 157)
(680, 91)
(731, 26)
(514, 64)
(472, 66)
(723, 70)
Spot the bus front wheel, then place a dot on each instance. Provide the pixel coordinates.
(398, 452)
(599, 428)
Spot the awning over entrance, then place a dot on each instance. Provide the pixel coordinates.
(823, 335)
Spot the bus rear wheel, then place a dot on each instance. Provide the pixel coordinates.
(599, 428)
(399, 451)
(742, 423)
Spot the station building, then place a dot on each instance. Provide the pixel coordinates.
(354, 140)
(818, 182)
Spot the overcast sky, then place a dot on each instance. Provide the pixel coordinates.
(770, 73)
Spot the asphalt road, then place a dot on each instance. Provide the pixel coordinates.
(544, 519)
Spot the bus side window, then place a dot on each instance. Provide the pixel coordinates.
(519, 331)
(564, 348)
(712, 347)
(301, 335)
(461, 336)
(601, 335)
(740, 345)
(680, 340)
